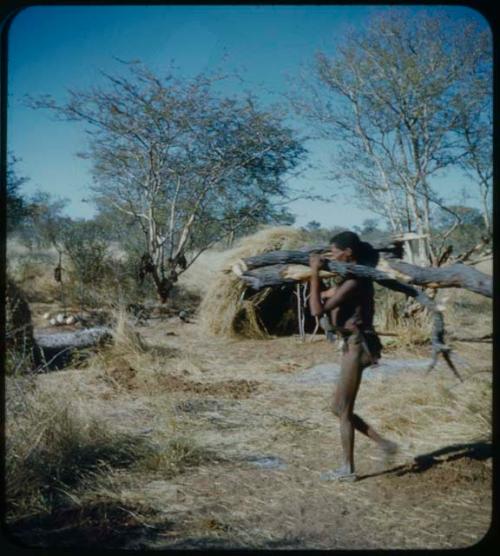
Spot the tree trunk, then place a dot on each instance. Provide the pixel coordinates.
(163, 286)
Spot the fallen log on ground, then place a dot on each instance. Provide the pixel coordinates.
(55, 350)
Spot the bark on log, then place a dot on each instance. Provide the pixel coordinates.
(276, 275)
(454, 276)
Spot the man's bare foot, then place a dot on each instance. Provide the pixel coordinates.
(341, 474)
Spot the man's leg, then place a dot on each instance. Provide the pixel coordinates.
(343, 402)
(360, 424)
(352, 365)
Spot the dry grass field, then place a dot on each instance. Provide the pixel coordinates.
(172, 437)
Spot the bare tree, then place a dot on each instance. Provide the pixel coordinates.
(189, 166)
(388, 98)
(475, 129)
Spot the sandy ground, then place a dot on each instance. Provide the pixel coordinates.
(262, 407)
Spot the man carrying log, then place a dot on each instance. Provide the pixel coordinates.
(350, 307)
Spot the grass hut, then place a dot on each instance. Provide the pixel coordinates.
(230, 308)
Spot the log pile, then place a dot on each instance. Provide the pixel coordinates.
(277, 268)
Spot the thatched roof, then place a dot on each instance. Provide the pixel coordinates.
(229, 308)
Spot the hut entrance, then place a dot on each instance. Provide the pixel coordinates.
(276, 310)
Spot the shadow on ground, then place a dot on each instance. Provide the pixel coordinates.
(113, 527)
(478, 451)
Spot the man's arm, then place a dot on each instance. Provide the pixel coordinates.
(342, 294)
(315, 305)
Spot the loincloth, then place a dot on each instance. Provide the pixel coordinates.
(366, 341)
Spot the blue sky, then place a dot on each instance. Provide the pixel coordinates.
(53, 48)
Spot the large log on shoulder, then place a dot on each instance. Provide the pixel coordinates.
(458, 275)
(276, 275)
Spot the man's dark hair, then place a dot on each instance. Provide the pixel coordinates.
(363, 252)
(343, 240)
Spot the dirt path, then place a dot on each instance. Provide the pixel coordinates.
(261, 408)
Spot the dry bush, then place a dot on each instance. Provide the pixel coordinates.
(127, 344)
(112, 283)
(35, 275)
(395, 314)
(176, 456)
(126, 353)
(182, 298)
(126, 339)
(223, 310)
(465, 314)
(128, 362)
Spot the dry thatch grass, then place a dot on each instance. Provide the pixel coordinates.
(223, 310)
(198, 277)
(52, 443)
(127, 345)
